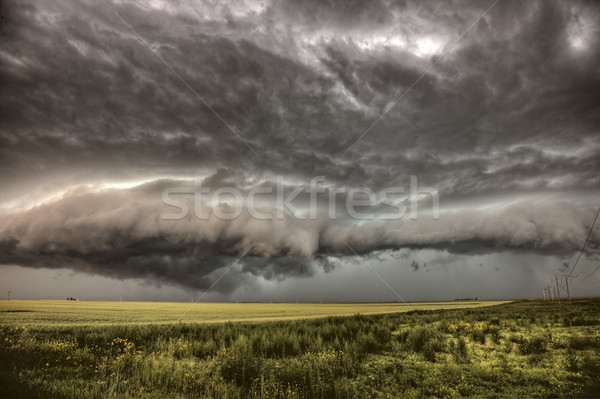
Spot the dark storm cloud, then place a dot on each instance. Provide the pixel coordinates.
(80, 89)
(122, 233)
(505, 126)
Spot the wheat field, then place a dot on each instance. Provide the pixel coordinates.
(72, 313)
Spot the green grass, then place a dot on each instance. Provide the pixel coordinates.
(519, 349)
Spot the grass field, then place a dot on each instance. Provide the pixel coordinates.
(65, 349)
(74, 313)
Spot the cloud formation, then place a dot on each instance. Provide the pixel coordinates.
(503, 122)
(124, 233)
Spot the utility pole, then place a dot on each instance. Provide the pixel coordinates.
(544, 295)
(9, 295)
(557, 288)
(567, 285)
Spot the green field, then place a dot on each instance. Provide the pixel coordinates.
(74, 313)
(60, 349)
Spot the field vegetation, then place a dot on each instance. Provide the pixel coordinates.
(75, 313)
(519, 349)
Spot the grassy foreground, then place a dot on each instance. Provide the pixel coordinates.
(521, 349)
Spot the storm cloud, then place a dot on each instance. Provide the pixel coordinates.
(125, 233)
(104, 105)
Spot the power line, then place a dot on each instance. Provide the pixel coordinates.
(585, 243)
(590, 275)
(594, 282)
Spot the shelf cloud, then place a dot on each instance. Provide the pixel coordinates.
(122, 233)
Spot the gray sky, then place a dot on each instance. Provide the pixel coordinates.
(104, 106)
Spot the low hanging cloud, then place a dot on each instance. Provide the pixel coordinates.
(123, 233)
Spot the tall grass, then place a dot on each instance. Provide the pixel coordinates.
(528, 348)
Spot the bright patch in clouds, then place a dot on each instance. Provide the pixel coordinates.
(427, 47)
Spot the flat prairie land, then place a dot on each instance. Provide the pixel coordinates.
(484, 349)
(74, 313)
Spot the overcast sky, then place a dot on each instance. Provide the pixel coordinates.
(106, 105)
